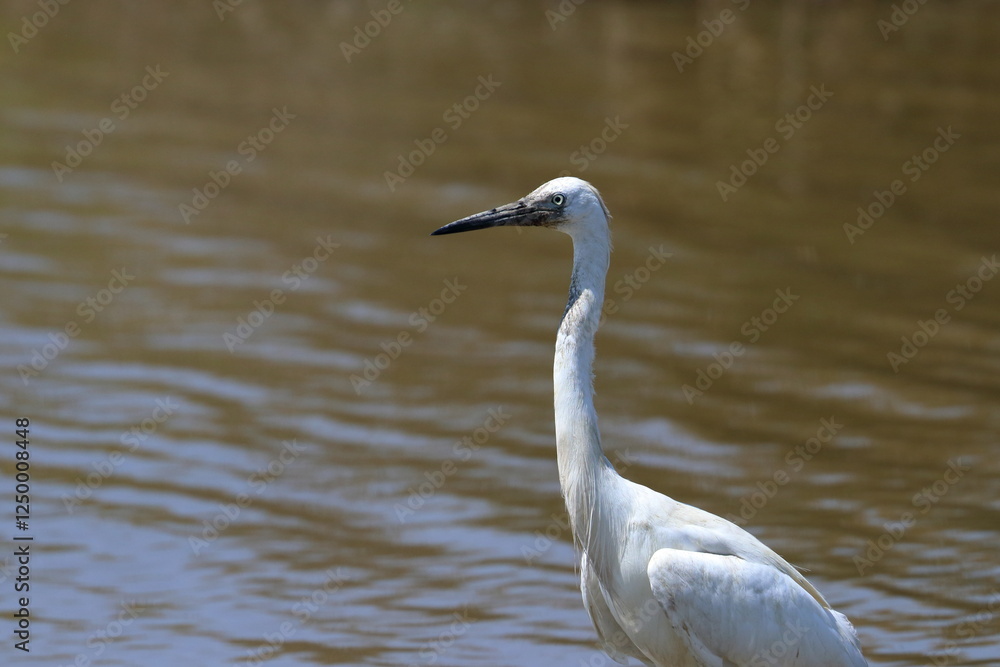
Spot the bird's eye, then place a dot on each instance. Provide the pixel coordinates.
(558, 199)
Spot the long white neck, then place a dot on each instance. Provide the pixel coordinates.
(582, 464)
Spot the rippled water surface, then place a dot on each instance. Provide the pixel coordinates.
(271, 418)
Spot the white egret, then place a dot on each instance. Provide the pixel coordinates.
(666, 583)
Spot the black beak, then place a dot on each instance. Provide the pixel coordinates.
(517, 214)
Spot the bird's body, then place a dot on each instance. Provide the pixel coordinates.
(666, 583)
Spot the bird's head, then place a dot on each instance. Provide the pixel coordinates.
(568, 204)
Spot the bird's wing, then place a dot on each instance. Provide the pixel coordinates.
(732, 611)
(693, 529)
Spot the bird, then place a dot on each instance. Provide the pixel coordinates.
(663, 582)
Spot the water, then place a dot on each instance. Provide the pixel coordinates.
(214, 477)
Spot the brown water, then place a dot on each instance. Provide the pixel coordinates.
(210, 378)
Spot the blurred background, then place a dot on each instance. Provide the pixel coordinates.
(273, 421)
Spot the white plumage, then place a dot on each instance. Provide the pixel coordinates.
(663, 582)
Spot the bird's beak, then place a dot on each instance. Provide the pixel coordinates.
(515, 214)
